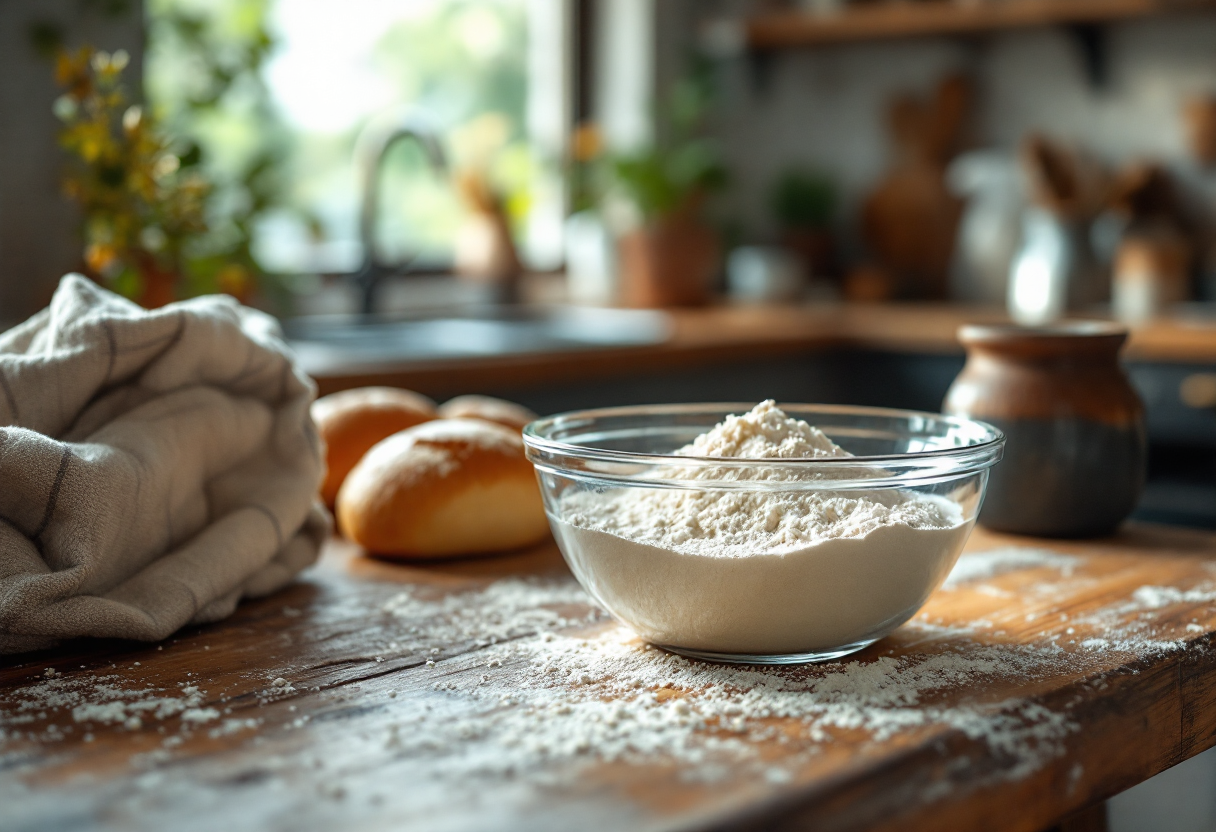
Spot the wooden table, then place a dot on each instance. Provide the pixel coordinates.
(1044, 678)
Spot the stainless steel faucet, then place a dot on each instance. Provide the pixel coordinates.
(370, 149)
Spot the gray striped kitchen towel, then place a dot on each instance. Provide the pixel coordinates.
(155, 467)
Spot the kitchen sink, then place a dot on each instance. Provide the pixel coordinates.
(326, 343)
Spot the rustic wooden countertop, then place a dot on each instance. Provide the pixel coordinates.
(738, 333)
(487, 694)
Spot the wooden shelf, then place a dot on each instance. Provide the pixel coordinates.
(892, 19)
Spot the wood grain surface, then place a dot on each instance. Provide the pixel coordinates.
(731, 334)
(381, 719)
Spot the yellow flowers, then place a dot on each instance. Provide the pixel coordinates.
(141, 208)
(110, 65)
(72, 72)
(100, 257)
(587, 142)
(132, 119)
(165, 165)
(234, 279)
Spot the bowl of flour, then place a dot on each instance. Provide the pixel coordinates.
(767, 534)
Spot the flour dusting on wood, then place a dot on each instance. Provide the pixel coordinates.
(557, 698)
(524, 682)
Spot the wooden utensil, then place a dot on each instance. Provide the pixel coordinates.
(1200, 117)
(485, 251)
(911, 219)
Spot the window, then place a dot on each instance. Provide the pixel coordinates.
(302, 78)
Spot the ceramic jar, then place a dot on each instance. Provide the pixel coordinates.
(1076, 450)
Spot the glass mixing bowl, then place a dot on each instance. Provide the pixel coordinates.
(631, 519)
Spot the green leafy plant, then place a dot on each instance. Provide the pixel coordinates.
(203, 86)
(802, 199)
(141, 198)
(677, 170)
(662, 181)
(204, 81)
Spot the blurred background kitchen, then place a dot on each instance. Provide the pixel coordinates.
(425, 189)
(574, 203)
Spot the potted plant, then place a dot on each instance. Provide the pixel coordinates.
(137, 201)
(156, 227)
(804, 202)
(668, 254)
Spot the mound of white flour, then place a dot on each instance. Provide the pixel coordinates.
(765, 432)
(760, 572)
(744, 523)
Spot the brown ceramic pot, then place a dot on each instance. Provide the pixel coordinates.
(1075, 453)
(668, 263)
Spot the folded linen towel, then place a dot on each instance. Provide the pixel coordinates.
(156, 467)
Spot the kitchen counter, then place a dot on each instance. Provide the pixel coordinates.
(735, 334)
(469, 695)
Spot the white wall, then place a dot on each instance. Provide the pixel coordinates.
(825, 107)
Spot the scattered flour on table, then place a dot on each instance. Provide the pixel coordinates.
(1132, 627)
(502, 611)
(546, 685)
(1128, 626)
(551, 698)
(100, 699)
(1156, 597)
(980, 566)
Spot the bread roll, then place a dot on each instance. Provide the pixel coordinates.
(489, 409)
(450, 487)
(352, 421)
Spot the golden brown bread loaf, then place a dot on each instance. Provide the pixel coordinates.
(352, 421)
(448, 487)
(488, 408)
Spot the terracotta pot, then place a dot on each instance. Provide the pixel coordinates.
(159, 286)
(1076, 451)
(669, 263)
